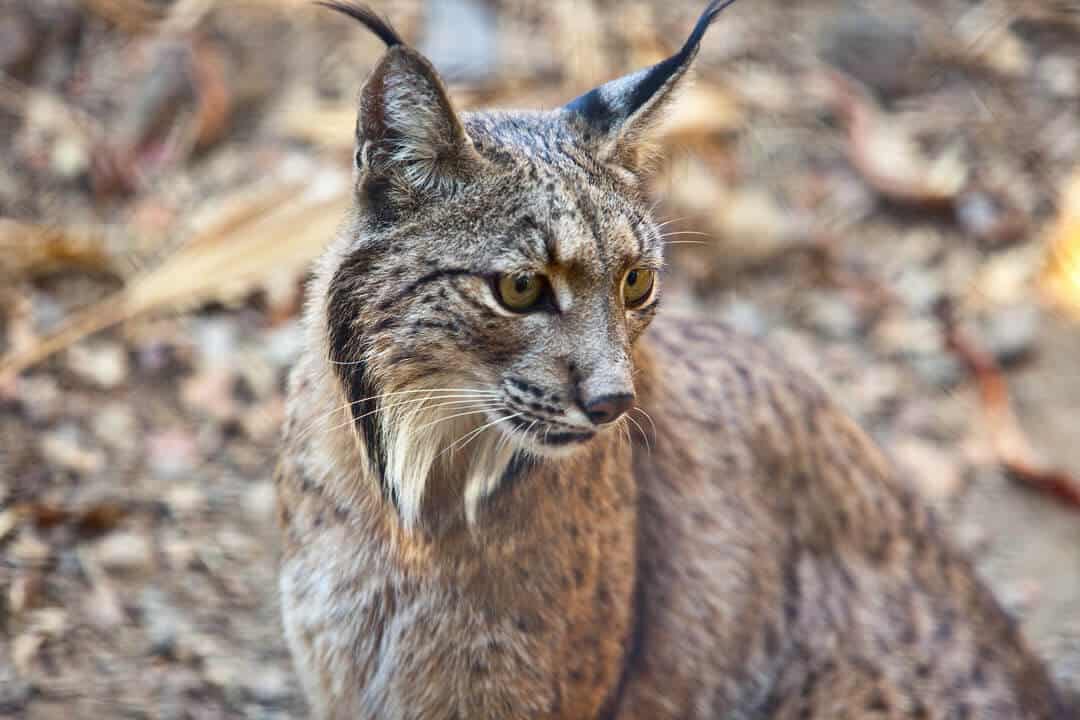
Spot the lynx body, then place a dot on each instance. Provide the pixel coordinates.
(472, 532)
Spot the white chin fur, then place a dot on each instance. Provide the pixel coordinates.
(422, 439)
(418, 441)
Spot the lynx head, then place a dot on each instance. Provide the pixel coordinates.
(482, 300)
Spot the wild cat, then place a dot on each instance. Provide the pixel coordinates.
(470, 529)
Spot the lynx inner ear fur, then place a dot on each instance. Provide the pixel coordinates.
(620, 114)
(408, 132)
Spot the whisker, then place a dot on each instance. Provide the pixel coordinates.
(672, 220)
(472, 435)
(677, 233)
(452, 400)
(505, 439)
(352, 421)
(502, 441)
(624, 431)
(471, 391)
(380, 396)
(648, 445)
(478, 409)
(464, 392)
(647, 417)
(303, 434)
(685, 242)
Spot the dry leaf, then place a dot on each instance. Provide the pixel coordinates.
(1012, 447)
(887, 155)
(29, 248)
(95, 519)
(215, 266)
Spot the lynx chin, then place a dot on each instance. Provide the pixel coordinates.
(506, 492)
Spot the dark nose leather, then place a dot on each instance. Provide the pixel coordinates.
(608, 408)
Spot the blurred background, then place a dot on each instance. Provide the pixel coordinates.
(888, 192)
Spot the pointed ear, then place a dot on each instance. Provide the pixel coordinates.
(619, 116)
(409, 139)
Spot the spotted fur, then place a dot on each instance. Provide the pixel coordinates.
(461, 541)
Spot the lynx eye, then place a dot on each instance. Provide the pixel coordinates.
(637, 287)
(519, 293)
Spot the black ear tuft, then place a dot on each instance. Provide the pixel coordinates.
(368, 18)
(409, 138)
(616, 109)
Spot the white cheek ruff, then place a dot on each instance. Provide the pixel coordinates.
(420, 441)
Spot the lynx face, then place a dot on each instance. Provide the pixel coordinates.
(485, 295)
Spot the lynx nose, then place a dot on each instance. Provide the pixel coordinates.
(608, 408)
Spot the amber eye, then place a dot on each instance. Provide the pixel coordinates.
(520, 293)
(637, 287)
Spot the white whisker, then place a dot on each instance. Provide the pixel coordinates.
(470, 436)
(672, 220)
(624, 431)
(352, 421)
(648, 445)
(677, 233)
(312, 426)
(471, 391)
(647, 417)
(479, 409)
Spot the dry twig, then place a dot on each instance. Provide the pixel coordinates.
(1011, 446)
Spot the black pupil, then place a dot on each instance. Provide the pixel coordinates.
(632, 278)
(521, 284)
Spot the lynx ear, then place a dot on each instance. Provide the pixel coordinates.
(619, 115)
(409, 138)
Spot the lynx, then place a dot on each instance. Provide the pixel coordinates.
(470, 529)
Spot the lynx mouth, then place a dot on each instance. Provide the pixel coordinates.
(561, 439)
(549, 434)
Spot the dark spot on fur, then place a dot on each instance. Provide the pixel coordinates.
(383, 324)
(978, 676)
(878, 703)
(772, 641)
(809, 683)
(792, 592)
(530, 624)
(943, 632)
